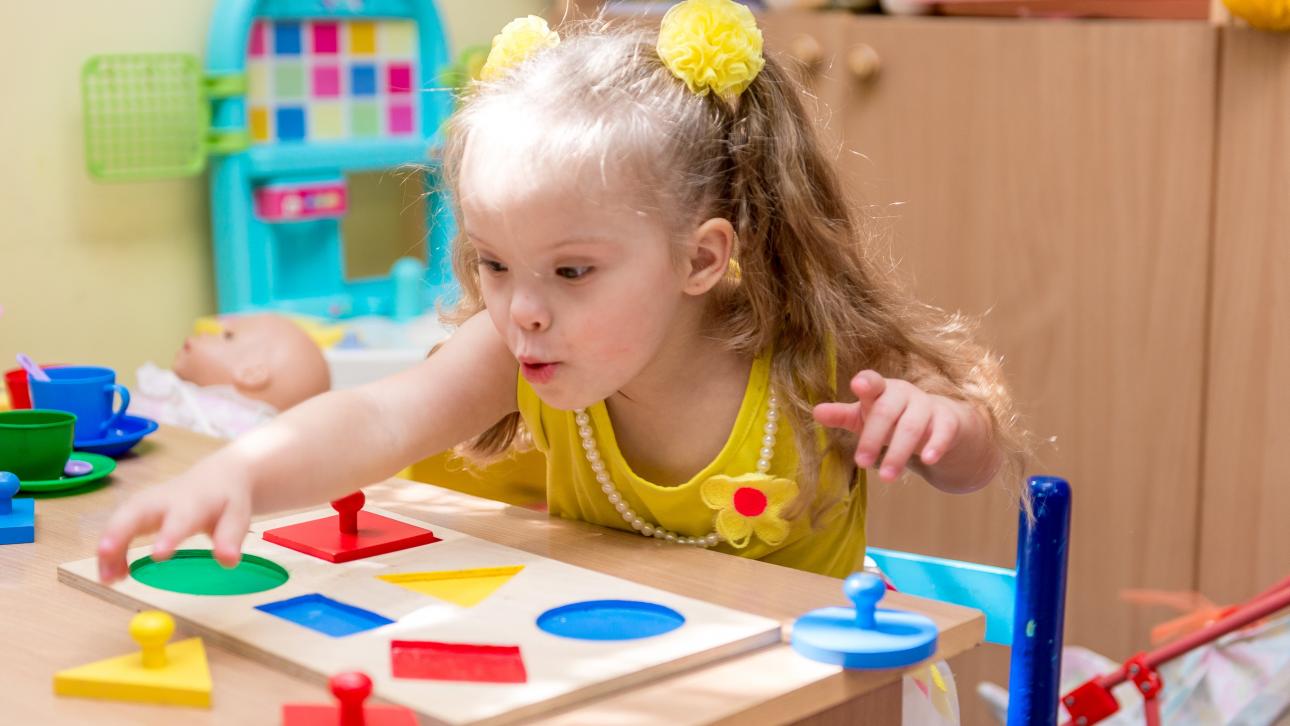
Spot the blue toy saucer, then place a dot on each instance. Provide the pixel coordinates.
(122, 437)
(864, 636)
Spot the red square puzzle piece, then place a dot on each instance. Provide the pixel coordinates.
(370, 534)
(457, 662)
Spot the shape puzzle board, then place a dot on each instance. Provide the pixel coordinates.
(560, 670)
(325, 80)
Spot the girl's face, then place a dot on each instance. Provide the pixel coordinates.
(583, 289)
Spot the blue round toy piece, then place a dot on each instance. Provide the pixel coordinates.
(864, 636)
(610, 620)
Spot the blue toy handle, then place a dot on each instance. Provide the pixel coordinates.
(117, 414)
(1041, 604)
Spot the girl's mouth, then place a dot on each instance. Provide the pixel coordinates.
(538, 372)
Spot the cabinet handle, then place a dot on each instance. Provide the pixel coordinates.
(863, 62)
(806, 50)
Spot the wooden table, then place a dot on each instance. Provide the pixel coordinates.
(47, 626)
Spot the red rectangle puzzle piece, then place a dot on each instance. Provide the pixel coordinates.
(457, 662)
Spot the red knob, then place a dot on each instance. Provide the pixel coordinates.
(348, 508)
(351, 689)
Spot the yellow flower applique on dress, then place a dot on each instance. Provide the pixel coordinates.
(749, 504)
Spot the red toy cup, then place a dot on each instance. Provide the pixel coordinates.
(15, 381)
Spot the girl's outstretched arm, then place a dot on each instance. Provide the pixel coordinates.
(323, 449)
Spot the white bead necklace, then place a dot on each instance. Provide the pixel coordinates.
(635, 520)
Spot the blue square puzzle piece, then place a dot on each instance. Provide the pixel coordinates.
(327, 616)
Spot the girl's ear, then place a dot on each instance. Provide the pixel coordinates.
(708, 255)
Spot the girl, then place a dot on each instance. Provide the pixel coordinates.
(661, 281)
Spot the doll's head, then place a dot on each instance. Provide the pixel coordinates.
(265, 357)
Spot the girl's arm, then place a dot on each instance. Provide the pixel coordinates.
(948, 442)
(324, 449)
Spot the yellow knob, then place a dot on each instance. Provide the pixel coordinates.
(151, 629)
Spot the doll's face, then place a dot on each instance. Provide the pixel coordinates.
(211, 359)
(265, 357)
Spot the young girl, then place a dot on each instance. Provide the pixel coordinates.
(661, 284)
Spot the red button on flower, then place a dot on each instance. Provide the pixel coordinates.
(750, 502)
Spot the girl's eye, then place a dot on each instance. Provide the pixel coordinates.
(492, 265)
(573, 273)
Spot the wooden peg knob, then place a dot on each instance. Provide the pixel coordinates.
(863, 62)
(806, 50)
(9, 486)
(348, 507)
(151, 629)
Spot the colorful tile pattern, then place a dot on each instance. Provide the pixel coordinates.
(328, 80)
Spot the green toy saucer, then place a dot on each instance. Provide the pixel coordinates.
(102, 467)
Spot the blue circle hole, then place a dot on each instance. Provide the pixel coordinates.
(610, 620)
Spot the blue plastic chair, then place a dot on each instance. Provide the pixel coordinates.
(1024, 608)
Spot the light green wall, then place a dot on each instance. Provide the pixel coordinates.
(111, 274)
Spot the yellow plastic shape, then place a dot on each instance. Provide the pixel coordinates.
(173, 674)
(466, 588)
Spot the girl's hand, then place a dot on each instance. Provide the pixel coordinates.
(193, 502)
(896, 414)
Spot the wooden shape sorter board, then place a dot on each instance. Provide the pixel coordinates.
(559, 671)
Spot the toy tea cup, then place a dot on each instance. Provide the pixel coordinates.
(35, 444)
(86, 391)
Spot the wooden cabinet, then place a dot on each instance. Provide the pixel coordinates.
(1245, 505)
(1055, 178)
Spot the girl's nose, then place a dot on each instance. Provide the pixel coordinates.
(529, 313)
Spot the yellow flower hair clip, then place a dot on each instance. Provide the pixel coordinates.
(712, 45)
(518, 40)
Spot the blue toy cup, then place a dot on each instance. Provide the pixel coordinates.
(86, 391)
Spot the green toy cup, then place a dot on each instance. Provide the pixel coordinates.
(35, 444)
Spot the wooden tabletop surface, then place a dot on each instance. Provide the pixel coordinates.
(47, 626)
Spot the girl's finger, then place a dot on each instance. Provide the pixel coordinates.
(230, 530)
(126, 523)
(908, 433)
(945, 433)
(868, 385)
(839, 415)
(878, 422)
(180, 522)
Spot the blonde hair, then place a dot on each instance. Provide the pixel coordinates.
(807, 287)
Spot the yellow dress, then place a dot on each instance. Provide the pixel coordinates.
(834, 546)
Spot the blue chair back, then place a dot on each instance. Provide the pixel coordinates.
(1024, 608)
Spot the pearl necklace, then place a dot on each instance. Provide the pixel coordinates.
(635, 520)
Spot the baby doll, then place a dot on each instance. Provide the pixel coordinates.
(228, 381)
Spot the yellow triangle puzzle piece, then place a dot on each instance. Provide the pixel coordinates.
(466, 588)
(185, 680)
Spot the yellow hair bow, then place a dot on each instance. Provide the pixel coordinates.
(712, 45)
(518, 40)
